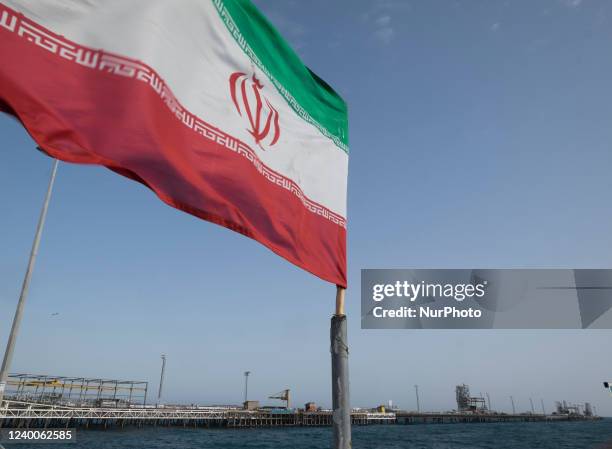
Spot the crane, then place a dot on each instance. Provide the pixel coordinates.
(283, 396)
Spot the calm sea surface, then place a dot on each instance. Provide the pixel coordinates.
(439, 436)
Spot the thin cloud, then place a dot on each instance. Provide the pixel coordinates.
(383, 20)
(391, 4)
(384, 7)
(384, 35)
(495, 26)
(572, 3)
(380, 17)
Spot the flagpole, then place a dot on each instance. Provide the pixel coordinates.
(341, 418)
(10, 345)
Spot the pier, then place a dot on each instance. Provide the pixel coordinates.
(23, 415)
(403, 417)
(46, 401)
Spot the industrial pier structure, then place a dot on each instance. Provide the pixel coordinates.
(468, 403)
(37, 415)
(35, 401)
(21, 415)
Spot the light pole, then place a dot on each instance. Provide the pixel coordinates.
(543, 409)
(532, 408)
(161, 377)
(416, 389)
(489, 401)
(246, 385)
(25, 287)
(513, 408)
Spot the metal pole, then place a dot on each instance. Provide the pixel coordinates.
(161, 377)
(543, 409)
(489, 401)
(246, 386)
(10, 345)
(341, 417)
(513, 408)
(416, 389)
(532, 409)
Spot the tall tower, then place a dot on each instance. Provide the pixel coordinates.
(462, 393)
(161, 377)
(246, 385)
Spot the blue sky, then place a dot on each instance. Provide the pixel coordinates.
(480, 137)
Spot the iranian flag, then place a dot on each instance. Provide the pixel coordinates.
(200, 100)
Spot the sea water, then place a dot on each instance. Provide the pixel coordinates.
(559, 435)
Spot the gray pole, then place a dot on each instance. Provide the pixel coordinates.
(513, 408)
(341, 417)
(416, 389)
(489, 401)
(543, 409)
(161, 377)
(10, 345)
(246, 386)
(532, 409)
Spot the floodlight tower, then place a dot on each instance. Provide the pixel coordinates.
(246, 385)
(161, 377)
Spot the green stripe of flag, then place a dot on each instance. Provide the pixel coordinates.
(309, 96)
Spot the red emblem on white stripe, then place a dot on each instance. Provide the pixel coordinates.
(251, 104)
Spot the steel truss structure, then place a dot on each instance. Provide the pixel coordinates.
(75, 391)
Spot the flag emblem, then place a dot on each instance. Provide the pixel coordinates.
(263, 119)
